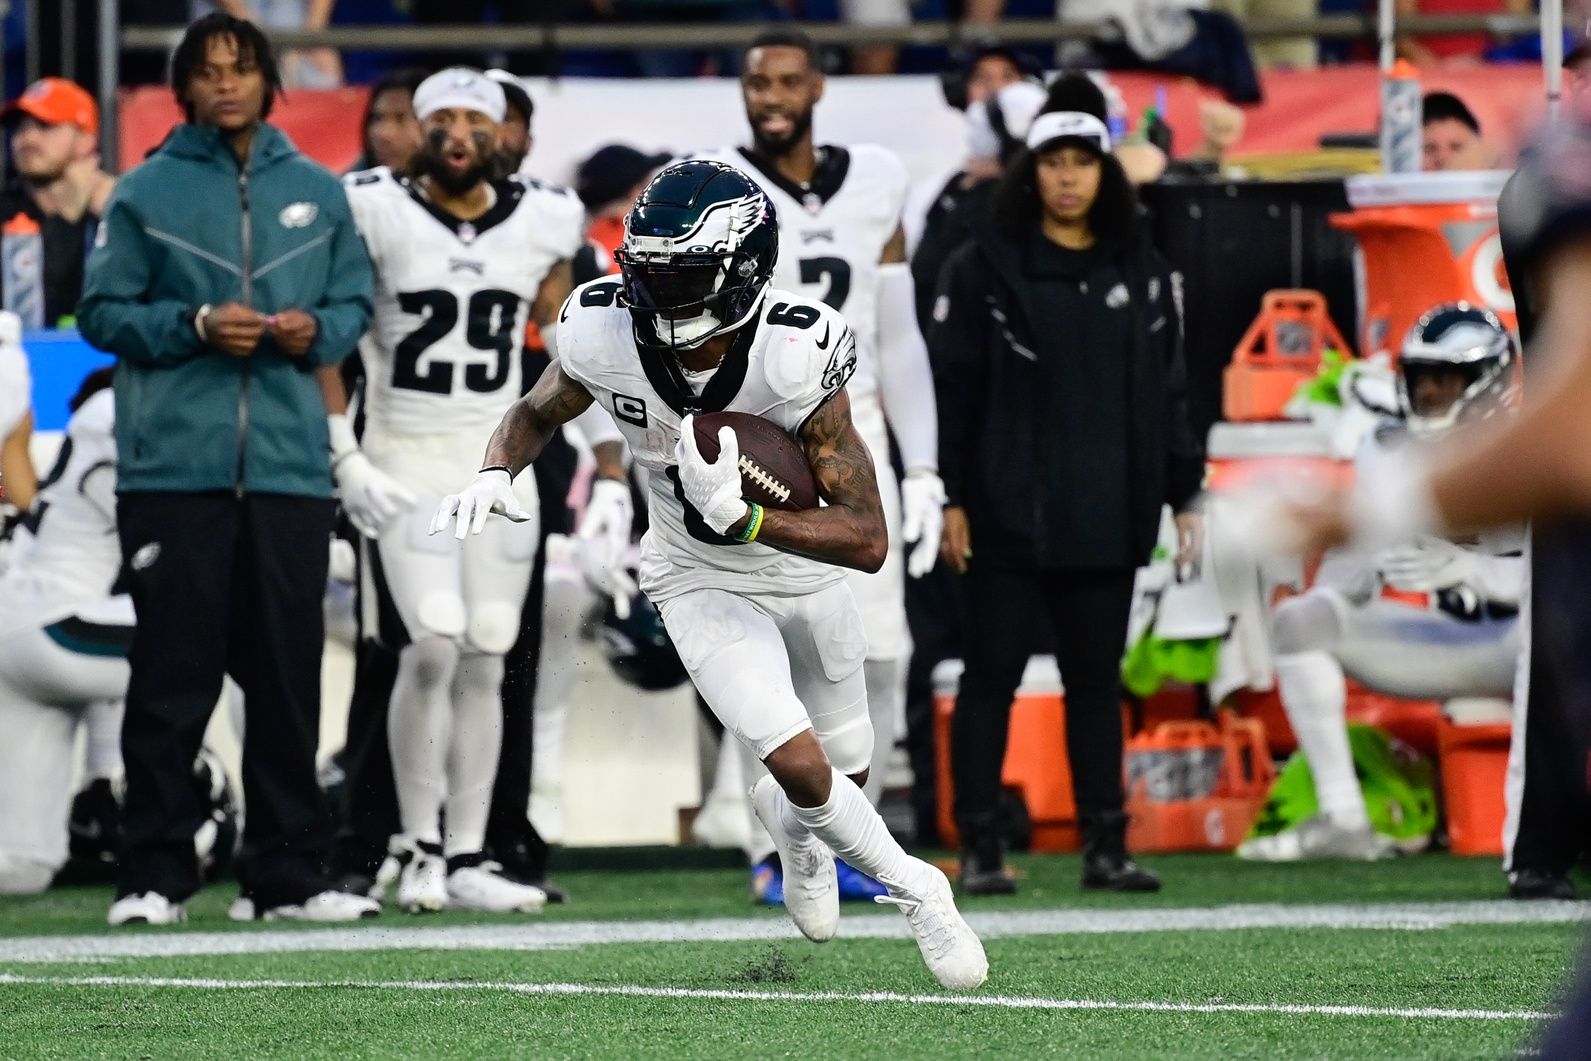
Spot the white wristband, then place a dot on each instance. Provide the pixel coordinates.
(341, 434)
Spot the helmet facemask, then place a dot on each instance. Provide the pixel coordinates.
(680, 300)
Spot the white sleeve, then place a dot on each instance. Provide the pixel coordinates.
(905, 380)
(98, 485)
(16, 388)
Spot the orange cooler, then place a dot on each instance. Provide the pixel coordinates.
(1427, 238)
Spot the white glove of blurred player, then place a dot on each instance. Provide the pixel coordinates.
(922, 503)
(492, 491)
(370, 496)
(604, 540)
(712, 489)
(1427, 564)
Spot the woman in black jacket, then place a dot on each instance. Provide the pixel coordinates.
(1063, 429)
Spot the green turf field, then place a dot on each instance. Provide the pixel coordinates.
(1418, 958)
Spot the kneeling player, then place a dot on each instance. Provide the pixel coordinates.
(1457, 363)
(759, 613)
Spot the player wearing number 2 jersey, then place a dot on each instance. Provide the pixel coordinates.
(841, 241)
(460, 262)
(770, 635)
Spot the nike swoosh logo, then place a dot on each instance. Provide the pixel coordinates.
(823, 343)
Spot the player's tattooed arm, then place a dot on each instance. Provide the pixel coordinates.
(850, 530)
(519, 439)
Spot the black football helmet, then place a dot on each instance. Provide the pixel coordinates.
(638, 647)
(1471, 348)
(699, 249)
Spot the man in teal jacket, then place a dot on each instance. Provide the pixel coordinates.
(227, 271)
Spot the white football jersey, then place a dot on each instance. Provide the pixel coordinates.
(792, 356)
(67, 555)
(831, 236)
(16, 388)
(452, 298)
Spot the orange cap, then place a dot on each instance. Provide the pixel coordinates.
(56, 101)
(20, 225)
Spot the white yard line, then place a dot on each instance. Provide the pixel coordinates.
(394, 931)
(636, 991)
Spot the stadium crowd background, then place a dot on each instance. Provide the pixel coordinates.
(607, 179)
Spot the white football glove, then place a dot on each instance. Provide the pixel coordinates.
(712, 489)
(604, 541)
(922, 502)
(370, 497)
(1427, 564)
(492, 491)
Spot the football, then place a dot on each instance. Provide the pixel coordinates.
(773, 467)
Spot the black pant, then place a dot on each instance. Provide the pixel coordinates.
(368, 814)
(521, 666)
(224, 585)
(1554, 823)
(1088, 610)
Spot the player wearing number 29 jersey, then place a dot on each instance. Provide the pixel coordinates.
(442, 354)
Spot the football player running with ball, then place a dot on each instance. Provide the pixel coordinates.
(841, 240)
(755, 599)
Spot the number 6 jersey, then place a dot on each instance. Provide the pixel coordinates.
(793, 355)
(443, 352)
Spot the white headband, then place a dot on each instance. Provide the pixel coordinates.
(1056, 124)
(460, 88)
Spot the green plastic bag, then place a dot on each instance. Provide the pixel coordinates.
(1399, 786)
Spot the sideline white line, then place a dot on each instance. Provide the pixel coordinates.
(687, 993)
(395, 932)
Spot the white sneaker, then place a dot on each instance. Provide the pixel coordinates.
(952, 950)
(811, 891)
(1318, 837)
(386, 876)
(422, 886)
(326, 906)
(483, 887)
(150, 908)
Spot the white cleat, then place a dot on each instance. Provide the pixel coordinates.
(952, 950)
(811, 891)
(149, 908)
(1318, 837)
(483, 887)
(422, 886)
(327, 907)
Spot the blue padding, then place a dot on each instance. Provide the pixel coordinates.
(58, 360)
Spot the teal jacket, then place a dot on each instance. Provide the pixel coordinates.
(191, 227)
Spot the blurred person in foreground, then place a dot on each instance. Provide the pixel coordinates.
(389, 131)
(59, 190)
(1057, 348)
(227, 271)
(1535, 466)
(1450, 135)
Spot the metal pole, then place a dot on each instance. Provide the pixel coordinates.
(69, 39)
(110, 75)
(31, 29)
(1386, 31)
(1552, 52)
